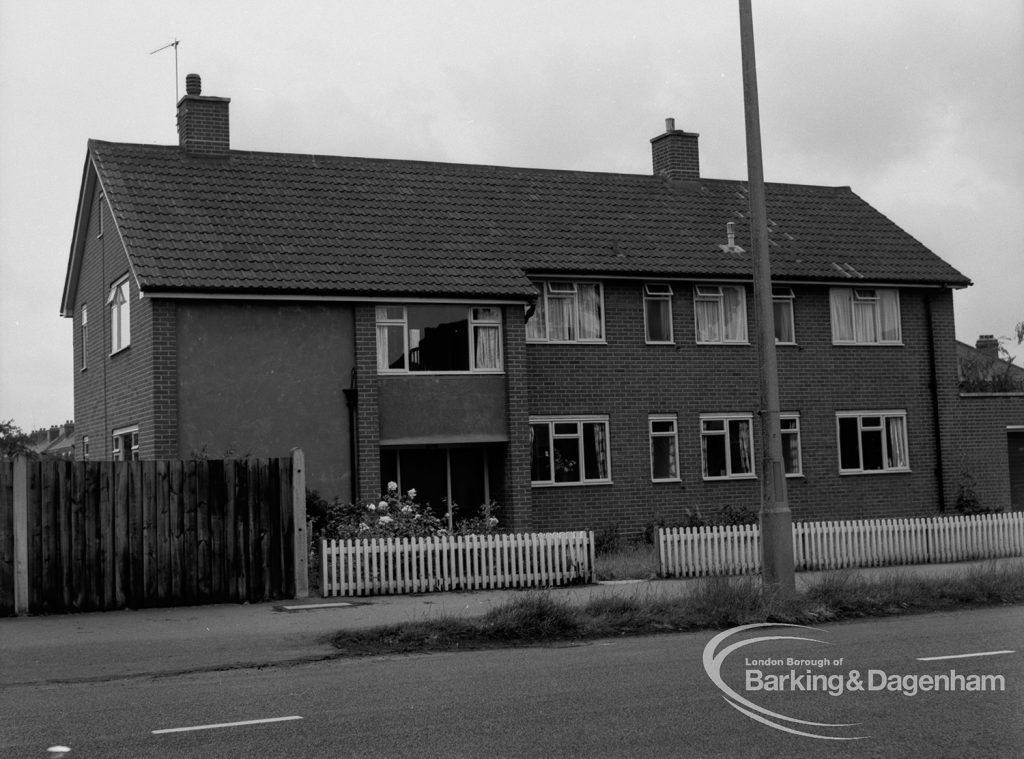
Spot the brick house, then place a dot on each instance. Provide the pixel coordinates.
(574, 345)
(988, 432)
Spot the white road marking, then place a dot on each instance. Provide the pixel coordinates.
(223, 724)
(964, 656)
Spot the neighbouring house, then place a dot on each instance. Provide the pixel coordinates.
(573, 345)
(54, 442)
(989, 428)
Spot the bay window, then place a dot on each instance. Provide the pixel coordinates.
(438, 338)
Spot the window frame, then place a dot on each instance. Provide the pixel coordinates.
(119, 437)
(473, 324)
(651, 295)
(783, 295)
(85, 447)
(561, 289)
(119, 301)
(861, 296)
(674, 435)
(579, 420)
(702, 293)
(84, 331)
(725, 432)
(884, 416)
(795, 432)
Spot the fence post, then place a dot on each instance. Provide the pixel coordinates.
(300, 545)
(20, 513)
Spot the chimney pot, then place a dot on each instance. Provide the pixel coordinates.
(193, 85)
(203, 124)
(988, 345)
(675, 153)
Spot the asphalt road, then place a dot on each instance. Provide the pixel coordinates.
(625, 697)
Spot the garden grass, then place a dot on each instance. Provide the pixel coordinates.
(632, 561)
(538, 617)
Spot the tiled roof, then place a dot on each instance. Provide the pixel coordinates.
(307, 224)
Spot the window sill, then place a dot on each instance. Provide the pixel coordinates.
(569, 484)
(726, 342)
(459, 373)
(730, 478)
(659, 342)
(856, 472)
(667, 481)
(120, 350)
(566, 342)
(868, 345)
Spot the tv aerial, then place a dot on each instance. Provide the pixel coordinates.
(175, 46)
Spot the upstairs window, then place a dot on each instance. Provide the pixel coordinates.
(865, 316)
(126, 444)
(85, 337)
(120, 316)
(658, 313)
(438, 338)
(85, 447)
(872, 442)
(569, 450)
(782, 305)
(567, 312)
(726, 444)
(720, 312)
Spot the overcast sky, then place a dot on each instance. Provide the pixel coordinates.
(918, 105)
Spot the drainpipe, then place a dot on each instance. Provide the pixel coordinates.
(937, 422)
(352, 401)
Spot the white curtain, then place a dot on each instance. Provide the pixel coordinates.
(590, 312)
(897, 448)
(382, 346)
(864, 326)
(735, 312)
(707, 317)
(841, 301)
(742, 430)
(536, 326)
(889, 315)
(488, 354)
(560, 318)
(601, 450)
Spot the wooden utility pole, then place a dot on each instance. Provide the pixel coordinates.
(776, 520)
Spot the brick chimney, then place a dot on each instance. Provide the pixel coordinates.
(988, 345)
(675, 153)
(203, 121)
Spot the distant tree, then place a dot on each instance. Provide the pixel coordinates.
(14, 440)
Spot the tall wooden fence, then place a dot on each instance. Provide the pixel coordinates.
(99, 535)
(459, 562)
(698, 551)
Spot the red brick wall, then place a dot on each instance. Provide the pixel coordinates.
(628, 380)
(367, 416)
(981, 446)
(114, 390)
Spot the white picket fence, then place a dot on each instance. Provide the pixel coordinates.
(464, 562)
(699, 551)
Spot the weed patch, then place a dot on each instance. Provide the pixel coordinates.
(714, 603)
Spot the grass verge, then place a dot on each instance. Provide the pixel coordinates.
(540, 617)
